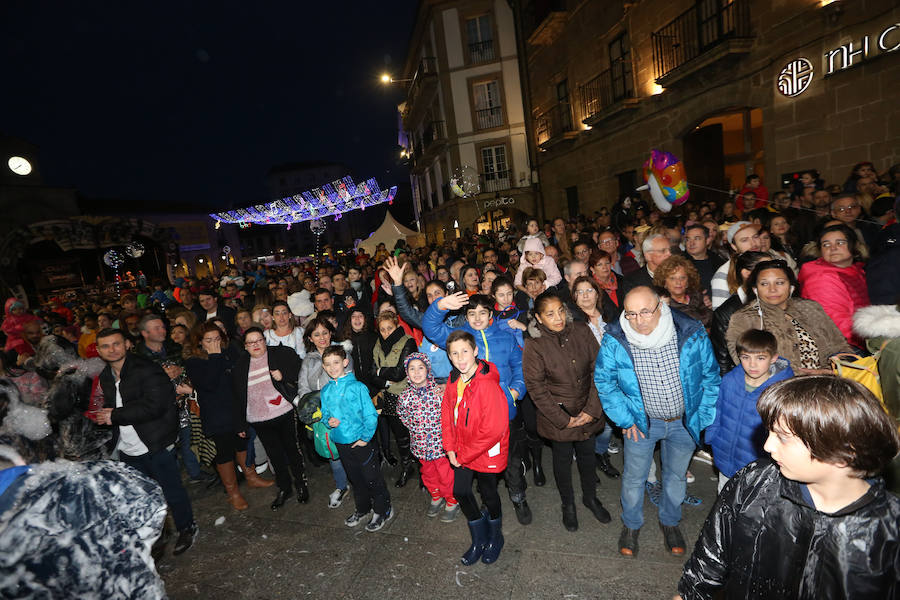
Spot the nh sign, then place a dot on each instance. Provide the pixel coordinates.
(854, 53)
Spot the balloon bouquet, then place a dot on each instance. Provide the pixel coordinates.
(666, 180)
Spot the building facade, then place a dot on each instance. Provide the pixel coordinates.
(463, 120)
(732, 87)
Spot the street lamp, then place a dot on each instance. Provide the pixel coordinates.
(386, 79)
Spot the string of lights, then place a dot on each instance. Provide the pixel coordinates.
(332, 199)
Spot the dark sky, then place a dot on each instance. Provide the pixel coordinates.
(192, 102)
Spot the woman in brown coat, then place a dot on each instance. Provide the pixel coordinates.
(558, 365)
(806, 336)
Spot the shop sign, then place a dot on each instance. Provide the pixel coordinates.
(498, 202)
(854, 53)
(795, 77)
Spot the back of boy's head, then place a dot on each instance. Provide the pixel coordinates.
(460, 335)
(838, 420)
(757, 341)
(477, 300)
(534, 273)
(336, 350)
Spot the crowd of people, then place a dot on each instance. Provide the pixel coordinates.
(630, 330)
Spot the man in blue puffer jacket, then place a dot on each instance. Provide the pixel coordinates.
(496, 344)
(658, 380)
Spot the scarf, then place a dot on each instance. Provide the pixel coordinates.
(659, 337)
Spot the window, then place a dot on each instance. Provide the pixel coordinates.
(620, 68)
(494, 169)
(488, 108)
(565, 109)
(480, 36)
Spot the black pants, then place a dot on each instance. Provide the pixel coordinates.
(388, 424)
(162, 466)
(529, 418)
(363, 468)
(487, 487)
(226, 445)
(279, 438)
(562, 468)
(515, 472)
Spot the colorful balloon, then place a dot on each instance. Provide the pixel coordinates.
(666, 180)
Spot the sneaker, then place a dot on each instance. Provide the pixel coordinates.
(203, 477)
(703, 456)
(450, 513)
(689, 477)
(379, 521)
(434, 508)
(186, 538)
(654, 491)
(614, 447)
(262, 468)
(336, 497)
(355, 519)
(673, 539)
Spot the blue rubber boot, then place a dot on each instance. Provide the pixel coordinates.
(495, 541)
(479, 531)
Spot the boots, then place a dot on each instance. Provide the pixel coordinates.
(495, 541)
(479, 531)
(253, 479)
(229, 480)
(569, 516)
(606, 467)
(523, 511)
(539, 478)
(408, 469)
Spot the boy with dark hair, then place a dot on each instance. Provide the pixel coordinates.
(348, 412)
(816, 522)
(475, 431)
(737, 435)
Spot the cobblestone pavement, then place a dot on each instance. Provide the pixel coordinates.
(305, 551)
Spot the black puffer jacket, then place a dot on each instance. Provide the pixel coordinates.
(763, 540)
(718, 328)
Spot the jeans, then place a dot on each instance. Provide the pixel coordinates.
(515, 472)
(586, 462)
(162, 466)
(191, 464)
(340, 475)
(676, 449)
(601, 446)
(364, 469)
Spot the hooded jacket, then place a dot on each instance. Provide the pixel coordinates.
(840, 292)
(764, 540)
(13, 325)
(546, 264)
(557, 366)
(419, 409)
(313, 377)
(880, 326)
(737, 435)
(620, 392)
(496, 344)
(348, 401)
(808, 313)
(479, 435)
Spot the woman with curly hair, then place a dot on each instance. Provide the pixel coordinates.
(680, 280)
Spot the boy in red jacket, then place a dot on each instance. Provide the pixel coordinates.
(475, 428)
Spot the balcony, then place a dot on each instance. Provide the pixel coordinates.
(435, 134)
(480, 52)
(495, 181)
(606, 95)
(421, 91)
(709, 31)
(489, 118)
(554, 125)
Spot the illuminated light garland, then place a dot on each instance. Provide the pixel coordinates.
(335, 198)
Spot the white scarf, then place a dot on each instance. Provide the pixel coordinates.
(659, 337)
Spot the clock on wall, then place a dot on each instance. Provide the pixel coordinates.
(19, 165)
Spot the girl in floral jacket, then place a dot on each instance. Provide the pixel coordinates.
(419, 409)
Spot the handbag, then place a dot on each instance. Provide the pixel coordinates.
(859, 369)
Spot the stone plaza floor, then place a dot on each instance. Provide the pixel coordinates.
(306, 551)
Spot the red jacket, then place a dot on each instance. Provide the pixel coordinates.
(480, 434)
(840, 291)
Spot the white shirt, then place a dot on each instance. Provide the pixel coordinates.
(293, 340)
(129, 441)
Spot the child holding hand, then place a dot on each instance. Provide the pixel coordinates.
(419, 409)
(348, 411)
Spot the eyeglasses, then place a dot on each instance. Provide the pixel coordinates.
(585, 292)
(255, 342)
(835, 243)
(843, 209)
(644, 314)
(611, 242)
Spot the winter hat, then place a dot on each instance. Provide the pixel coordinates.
(734, 229)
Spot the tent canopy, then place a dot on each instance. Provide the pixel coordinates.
(388, 233)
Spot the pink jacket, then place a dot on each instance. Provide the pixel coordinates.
(841, 292)
(546, 264)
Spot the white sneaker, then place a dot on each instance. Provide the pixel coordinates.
(689, 477)
(262, 468)
(613, 447)
(379, 521)
(336, 497)
(703, 456)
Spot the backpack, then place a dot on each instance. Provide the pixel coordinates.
(322, 438)
(860, 370)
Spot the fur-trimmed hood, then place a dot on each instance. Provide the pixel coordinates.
(877, 321)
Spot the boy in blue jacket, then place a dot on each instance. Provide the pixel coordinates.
(737, 435)
(348, 411)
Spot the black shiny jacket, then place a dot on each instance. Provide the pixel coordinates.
(763, 540)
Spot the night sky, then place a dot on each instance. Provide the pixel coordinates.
(193, 102)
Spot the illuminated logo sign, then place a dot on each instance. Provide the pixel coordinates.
(854, 53)
(795, 77)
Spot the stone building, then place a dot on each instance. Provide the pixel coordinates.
(463, 113)
(732, 87)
